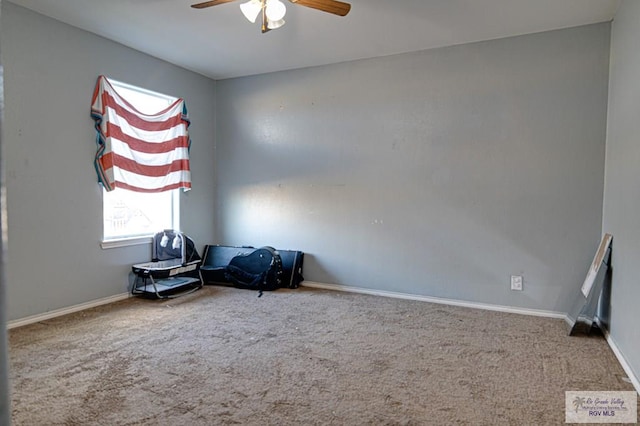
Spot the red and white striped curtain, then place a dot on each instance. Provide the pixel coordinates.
(136, 151)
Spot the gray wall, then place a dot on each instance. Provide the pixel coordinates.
(54, 202)
(622, 182)
(5, 408)
(436, 173)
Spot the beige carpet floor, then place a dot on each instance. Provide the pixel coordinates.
(300, 357)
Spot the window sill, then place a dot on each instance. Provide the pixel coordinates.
(125, 242)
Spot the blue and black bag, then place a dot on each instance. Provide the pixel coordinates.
(259, 270)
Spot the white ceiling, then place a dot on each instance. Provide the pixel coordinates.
(220, 43)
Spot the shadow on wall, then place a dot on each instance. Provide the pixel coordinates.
(314, 267)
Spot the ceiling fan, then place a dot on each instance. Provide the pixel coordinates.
(273, 11)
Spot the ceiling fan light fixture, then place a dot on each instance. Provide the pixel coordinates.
(275, 11)
(251, 9)
(272, 25)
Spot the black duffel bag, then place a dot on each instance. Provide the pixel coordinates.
(259, 270)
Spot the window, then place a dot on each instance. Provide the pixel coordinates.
(131, 217)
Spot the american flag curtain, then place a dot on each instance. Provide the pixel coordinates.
(136, 151)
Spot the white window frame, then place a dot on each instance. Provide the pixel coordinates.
(124, 241)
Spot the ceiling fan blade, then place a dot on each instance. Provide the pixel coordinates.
(210, 3)
(331, 6)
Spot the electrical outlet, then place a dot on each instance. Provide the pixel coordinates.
(516, 282)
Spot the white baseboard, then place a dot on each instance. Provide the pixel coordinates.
(440, 300)
(622, 360)
(64, 311)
